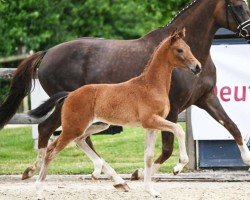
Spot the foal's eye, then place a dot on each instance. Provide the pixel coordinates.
(179, 50)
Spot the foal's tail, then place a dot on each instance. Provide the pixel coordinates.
(20, 86)
(48, 105)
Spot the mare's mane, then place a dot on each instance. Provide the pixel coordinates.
(181, 11)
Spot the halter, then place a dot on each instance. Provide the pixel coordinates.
(241, 28)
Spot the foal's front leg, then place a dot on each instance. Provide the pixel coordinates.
(150, 138)
(157, 122)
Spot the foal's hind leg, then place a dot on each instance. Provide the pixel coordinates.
(101, 165)
(45, 130)
(53, 149)
(95, 158)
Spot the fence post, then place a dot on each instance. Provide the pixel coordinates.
(190, 142)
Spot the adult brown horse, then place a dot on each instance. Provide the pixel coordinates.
(70, 65)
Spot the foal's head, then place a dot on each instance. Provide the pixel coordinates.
(179, 53)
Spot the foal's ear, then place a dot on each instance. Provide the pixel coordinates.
(182, 32)
(177, 34)
(174, 36)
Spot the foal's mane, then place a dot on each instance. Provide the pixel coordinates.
(153, 54)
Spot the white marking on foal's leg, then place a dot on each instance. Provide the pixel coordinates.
(119, 183)
(97, 161)
(155, 170)
(42, 174)
(32, 170)
(180, 134)
(245, 153)
(100, 165)
(40, 157)
(39, 182)
(148, 162)
(39, 190)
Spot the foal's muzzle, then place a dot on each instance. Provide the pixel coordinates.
(196, 70)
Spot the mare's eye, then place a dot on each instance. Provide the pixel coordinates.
(179, 50)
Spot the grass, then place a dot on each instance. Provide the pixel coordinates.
(124, 152)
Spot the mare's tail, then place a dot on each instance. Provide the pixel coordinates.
(48, 105)
(20, 86)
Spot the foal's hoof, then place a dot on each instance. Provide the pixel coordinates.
(177, 169)
(28, 173)
(94, 178)
(123, 187)
(175, 172)
(154, 193)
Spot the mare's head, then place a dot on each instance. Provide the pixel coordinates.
(179, 53)
(234, 15)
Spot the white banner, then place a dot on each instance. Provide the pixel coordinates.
(233, 90)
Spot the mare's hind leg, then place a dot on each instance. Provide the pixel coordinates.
(211, 104)
(45, 130)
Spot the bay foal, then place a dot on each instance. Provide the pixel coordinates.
(141, 101)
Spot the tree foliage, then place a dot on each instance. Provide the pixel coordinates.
(41, 24)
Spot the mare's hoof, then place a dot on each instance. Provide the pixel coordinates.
(135, 176)
(28, 173)
(123, 187)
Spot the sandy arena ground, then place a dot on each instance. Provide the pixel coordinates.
(78, 187)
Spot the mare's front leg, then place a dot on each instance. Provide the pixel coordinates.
(150, 138)
(211, 104)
